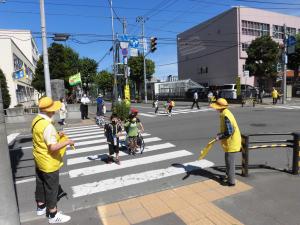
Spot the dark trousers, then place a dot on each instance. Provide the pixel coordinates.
(275, 101)
(84, 111)
(156, 109)
(195, 102)
(47, 186)
(230, 166)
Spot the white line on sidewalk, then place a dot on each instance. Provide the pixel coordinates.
(80, 127)
(103, 146)
(147, 115)
(90, 158)
(85, 134)
(128, 163)
(131, 179)
(12, 137)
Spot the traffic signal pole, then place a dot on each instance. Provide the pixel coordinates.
(141, 20)
(9, 214)
(115, 91)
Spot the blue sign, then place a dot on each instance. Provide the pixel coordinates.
(19, 74)
(124, 38)
(291, 41)
(134, 42)
(124, 51)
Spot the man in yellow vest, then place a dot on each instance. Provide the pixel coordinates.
(49, 147)
(229, 136)
(275, 96)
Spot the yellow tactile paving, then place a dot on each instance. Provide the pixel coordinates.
(192, 203)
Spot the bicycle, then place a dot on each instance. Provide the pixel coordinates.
(140, 144)
(100, 121)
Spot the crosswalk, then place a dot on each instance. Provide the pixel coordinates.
(88, 162)
(175, 112)
(287, 107)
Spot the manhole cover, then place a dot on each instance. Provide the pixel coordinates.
(258, 124)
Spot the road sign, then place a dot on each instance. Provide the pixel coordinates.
(124, 51)
(291, 41)
(134, 52)
(124, 44)
(134, 42)
(124, 38)
(246, 73)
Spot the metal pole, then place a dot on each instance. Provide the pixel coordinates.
(285, 66)
(144, 61)
(115, 91)
(295, 169)
(245, 155)
(45, 50)
(125, 57)
(8, 209)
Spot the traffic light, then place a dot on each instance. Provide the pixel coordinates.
(153, 43)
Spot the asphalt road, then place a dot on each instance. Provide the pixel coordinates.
(173, 148)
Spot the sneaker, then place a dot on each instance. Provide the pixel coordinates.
(59, 218)
(40, 211)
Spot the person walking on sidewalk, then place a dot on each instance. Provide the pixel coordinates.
(63, 112)
(113, 131)
(49, 147)
(155, 105)
(229, 136)
(84, 108)
(195, 100)
(275, 96)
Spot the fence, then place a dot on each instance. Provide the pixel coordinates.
(249, 145)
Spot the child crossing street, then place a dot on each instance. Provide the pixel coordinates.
(113, 131)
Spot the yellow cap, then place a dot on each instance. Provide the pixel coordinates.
(221, 103)
(46, 104)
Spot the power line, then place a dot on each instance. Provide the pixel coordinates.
(269, 2)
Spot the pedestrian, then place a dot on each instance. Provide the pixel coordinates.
(261, 95)
(84, 108)
(210, 97)
(133, 127)
(195, 100)
(63, 112)
(274, 96)
(230, 138)
(100, 113)
(155, 105)
(171, 105)
(113, 131)
(49, 147)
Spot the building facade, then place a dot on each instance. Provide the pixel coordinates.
(18, 60)
(214, 52)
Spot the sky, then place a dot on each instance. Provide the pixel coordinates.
(89, 22)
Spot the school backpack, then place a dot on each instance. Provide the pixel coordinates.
(172, 103)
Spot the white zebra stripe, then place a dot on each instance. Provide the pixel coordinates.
(90, 158)
(80, 127)
(128, 163)
(131, 179)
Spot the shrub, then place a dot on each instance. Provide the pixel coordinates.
(121, 110)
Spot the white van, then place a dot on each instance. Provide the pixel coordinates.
(228, 91)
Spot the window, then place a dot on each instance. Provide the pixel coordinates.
(245, 46)
(255, 28)
(244, 67)
(18, 63)
(278, 31)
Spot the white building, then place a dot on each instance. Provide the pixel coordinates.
(18, 59)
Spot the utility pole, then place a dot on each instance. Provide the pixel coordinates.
(125, 57)
(142, 20)
(8, 209)
(45, 50)
(285, 61)
(115, 91)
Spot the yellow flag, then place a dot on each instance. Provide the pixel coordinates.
(206, 150)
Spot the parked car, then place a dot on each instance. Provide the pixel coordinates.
(229, 91)
(202, 93)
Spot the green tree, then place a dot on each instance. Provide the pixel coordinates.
(4, 90)
(136, 65)
(294, 59)
(38, 81)
(104, 80)
(88, 69)
(263, 56)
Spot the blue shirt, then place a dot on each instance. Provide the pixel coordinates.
(228, 130)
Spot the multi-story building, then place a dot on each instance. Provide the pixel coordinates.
(214, 52)
(18, 59)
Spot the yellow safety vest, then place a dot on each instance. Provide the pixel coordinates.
(274, 94)
(234, 142)
(46, 160)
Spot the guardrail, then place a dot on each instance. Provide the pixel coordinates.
(248, 145)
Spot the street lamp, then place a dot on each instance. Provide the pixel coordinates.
(61, 37)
